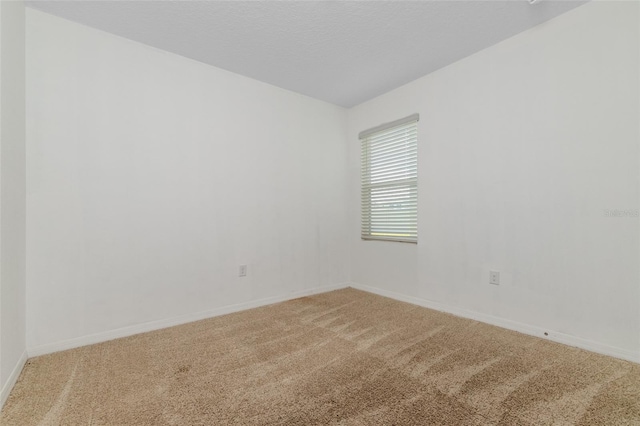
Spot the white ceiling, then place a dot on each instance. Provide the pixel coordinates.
(343, 52)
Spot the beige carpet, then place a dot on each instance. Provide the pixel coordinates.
(345, 357)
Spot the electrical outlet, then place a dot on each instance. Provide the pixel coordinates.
(242, 270)
(494, 277)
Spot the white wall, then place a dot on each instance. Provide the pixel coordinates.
(522, 147)
(12, 194)
(151, 177)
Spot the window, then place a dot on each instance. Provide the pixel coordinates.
(390, 181)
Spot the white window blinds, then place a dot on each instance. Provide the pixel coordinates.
(390, 181)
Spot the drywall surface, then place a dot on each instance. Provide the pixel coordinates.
(528, 165)
(12, 194)
(152, 177)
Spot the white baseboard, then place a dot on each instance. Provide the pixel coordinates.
(13, 378)
(183, 319)
(508, 324)
(170, 322)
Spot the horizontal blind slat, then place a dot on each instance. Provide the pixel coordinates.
(390, 151)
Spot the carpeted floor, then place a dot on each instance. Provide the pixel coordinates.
(345, 357)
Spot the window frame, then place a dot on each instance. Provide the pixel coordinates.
(403, 222)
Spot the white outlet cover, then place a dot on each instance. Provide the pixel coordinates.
(494, 277)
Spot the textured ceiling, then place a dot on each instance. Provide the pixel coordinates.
(343, 52)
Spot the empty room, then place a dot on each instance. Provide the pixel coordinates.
(320, 212)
